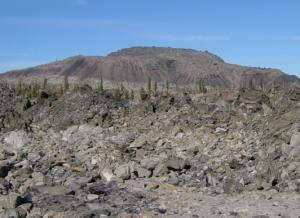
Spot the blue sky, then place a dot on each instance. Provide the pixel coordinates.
(261, 33)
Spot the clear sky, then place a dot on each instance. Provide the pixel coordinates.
(262, 33)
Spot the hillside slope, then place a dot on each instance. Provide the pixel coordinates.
(182, 66)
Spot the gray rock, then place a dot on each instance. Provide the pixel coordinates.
(142, 172)
(160, 170)
(123, 172)
(260, 216)
(176, 163)
(294, 147)
(11, 213)
(150, 163)
(92, 197)
(16, 140)
(12, 200)
(38, 178)
(107, 174)
(173, 178)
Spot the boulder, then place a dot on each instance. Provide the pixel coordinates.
(150, 163)
(107, 174)
(11, 200)
(141, 172)
(11, 213)
(38, 178)
(160, 170)
(173, 179)
(16, 140)
(294, 148)
(123, 172)
(176, 163)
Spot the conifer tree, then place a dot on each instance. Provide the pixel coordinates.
(45, 83)
(149, 84)
(155, 86)
(66, 83)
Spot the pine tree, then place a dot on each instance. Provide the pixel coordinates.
(167, 86)
(155, 86)
(149, 84)
(126, 94)
(45, 83)
(122, 88)
(66, 83)
(143, 94)
(131, 94)
(117, 93)
(101, 85)
(19, 88)
(34, 89)
(201, 87)
(61, 90)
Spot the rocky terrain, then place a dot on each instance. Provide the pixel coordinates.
(226, 153)
(135, 65)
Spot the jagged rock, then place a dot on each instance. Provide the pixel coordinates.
(141, 172)
(35, 213)
(92, 197)
(12, 213)
(16, 140)
(160, 170)
(175, 163)
(294, 147)
(150, 163)
(173, 178)
(38, 179)
(64, 161)
(101, 188)
(12, 200)
(123, 172)
(107, 174)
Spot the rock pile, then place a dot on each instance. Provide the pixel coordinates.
(76, 156)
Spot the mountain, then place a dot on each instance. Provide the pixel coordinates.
(136, 64)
